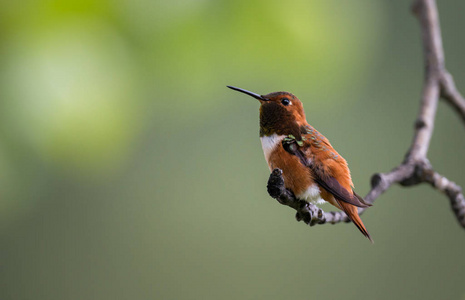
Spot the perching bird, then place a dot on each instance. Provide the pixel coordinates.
(311, 168)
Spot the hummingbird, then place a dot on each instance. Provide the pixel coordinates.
(311, 168)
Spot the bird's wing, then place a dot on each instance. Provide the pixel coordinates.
(333, 186)
(311, 152)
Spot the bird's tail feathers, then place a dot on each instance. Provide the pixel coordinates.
(352, 212)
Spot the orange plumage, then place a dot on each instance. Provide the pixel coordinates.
(313, 170)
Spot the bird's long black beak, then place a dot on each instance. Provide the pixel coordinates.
(256, 96)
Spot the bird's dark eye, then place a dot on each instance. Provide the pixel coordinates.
(285, 101)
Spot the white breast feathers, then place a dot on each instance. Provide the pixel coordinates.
(269, 143)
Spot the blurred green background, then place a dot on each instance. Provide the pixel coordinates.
(129, 170)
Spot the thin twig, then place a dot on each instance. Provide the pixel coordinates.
(415, 168)
(450, 93)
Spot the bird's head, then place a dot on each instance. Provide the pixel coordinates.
(280, 112)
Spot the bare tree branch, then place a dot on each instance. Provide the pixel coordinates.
(452, 190)
(450, 93)
(415, 168)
